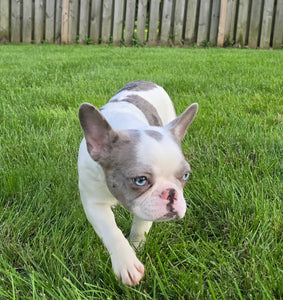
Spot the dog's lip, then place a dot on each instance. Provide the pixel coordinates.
(169, 216)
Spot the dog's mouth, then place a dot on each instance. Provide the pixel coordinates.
(167, 217)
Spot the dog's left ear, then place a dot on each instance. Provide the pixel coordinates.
(99, 135)
(179, 126)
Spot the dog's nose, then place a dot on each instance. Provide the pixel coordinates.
(169, 194)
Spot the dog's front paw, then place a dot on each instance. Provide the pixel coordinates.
(127, 267)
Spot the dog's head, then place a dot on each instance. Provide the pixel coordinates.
(144, 169)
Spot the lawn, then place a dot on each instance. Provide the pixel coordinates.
(230, 243)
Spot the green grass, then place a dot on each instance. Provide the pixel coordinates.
(230, 243)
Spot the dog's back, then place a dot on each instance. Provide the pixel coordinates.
(150, 98)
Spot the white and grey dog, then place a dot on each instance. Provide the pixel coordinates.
(131, 155)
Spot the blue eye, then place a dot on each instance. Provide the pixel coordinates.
(140, 181)
(186, 176)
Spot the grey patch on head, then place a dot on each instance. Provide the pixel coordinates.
(138, 85)
(148, 109)
(154, 134)
(122, 166)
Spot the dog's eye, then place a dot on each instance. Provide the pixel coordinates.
(140, 181)
(186, 176)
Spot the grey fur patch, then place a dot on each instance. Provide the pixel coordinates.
(122, 166)
(154, 134)
(138, 85)
(148, 109)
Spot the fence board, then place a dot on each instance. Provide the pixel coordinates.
(15, 21)
(242, 23)
(118, 21)
(278, 26)
(4, 20)
(49, 21)
(83, 26)
(106, 21)
(166, 22)
(178, 22)
(65, 22)
(72, 21)
(191, 22)
(58, 22)
(230, 22)
(38, 21)
(203, 24)
(255, 23)
(141, 20)
(266, 24)
(130, 21)
(27, 21)
(215, 11)
(222, 23)
(95, 27)
(153, 23)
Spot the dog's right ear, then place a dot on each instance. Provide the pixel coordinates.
(179, 126)
(98, 133)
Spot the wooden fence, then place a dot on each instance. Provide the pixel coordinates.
(255, 23)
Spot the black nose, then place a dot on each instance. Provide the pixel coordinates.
(171, 195)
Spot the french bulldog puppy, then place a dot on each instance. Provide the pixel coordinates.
(131, 155)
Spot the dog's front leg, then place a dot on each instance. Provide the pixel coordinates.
(139, 229)
(124, 261)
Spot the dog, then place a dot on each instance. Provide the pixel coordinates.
(131, 155)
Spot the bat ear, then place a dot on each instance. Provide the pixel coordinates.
(179, 126)
(98, 133)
